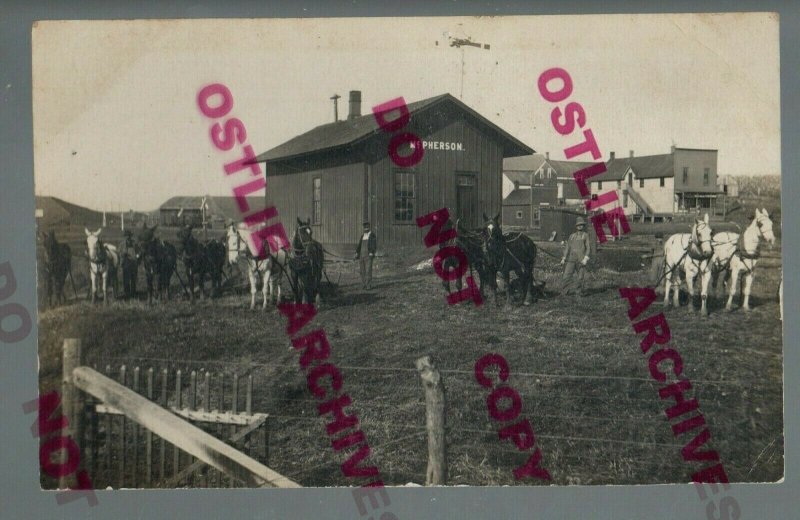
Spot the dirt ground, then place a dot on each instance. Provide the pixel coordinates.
(585, 384)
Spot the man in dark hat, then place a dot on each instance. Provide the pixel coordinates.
(576, 256)
(368, 244)
(129, 263)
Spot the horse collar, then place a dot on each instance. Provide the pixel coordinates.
(743, 251)
(695, 253)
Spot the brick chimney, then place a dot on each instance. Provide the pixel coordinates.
(611, 156)
(516, 185)
(631, 154)
(547, 155)
(355, 105)
(672, 149)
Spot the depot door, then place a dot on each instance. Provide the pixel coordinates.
(467, 200)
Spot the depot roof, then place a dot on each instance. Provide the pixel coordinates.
(339, 134)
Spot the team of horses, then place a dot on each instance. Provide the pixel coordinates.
(698, 258)
(302, 263)
(706, 255)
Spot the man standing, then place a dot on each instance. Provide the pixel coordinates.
(129, 263)
(576, 256)
(368, 244)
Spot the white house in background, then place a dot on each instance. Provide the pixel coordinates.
(657, 186)
(553, 181)
(518, 171)
(729, 185)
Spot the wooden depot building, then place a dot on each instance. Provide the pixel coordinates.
(340, 175)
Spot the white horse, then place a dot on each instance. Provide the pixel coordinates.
(690, 253)
(269, 269)
(103, 261)
(735, 253)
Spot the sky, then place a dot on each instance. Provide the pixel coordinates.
(117, 126)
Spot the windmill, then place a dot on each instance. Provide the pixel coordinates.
(460, 43)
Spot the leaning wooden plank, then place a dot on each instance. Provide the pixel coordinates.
(188, 470)
(191, 439)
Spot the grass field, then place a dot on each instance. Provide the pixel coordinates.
(576, 362)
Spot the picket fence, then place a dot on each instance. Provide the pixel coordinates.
(135, 433)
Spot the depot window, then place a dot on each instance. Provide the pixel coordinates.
(404, 197)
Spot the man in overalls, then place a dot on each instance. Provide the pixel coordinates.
(129, 263)
(576, 256)
(368, 244)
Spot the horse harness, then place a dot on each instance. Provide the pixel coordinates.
(520, 265)
(695, 254)
(101, 257)
(248, 254)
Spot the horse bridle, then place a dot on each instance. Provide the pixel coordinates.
(698, 243)
(300, 237)
(501, 244)
(100, 252)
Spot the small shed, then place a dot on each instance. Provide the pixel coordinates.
(561, 221)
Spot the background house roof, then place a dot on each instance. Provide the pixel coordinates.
(644, 167)
(523, 163)
(615, 171)
(568, 168)
(522, 177)
(518, 197)
(342, 133)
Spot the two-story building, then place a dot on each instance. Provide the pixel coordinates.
(655, 187)
(535, 182)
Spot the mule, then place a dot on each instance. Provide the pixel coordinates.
(270, 270)
(201, 259)
(509, 252)
(57, 265)
(689, 253)
(103, 263)
(471, 243)
(160, 260)
(306, 264)
(735, 254)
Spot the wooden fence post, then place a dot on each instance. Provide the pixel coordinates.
(434, 422)
(71, 397)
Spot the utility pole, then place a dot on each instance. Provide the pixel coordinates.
(335, 99)
(460, 43)
(531, 211)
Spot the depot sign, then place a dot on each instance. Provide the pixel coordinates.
(442, 145)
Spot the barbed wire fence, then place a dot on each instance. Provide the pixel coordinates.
(623, 436)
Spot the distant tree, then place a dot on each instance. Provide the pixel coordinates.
(759, 185)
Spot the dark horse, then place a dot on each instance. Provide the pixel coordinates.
(471, 243)
(509, 252)
(57, 265)
(159, 259)
(201, 259)
(306, 264)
